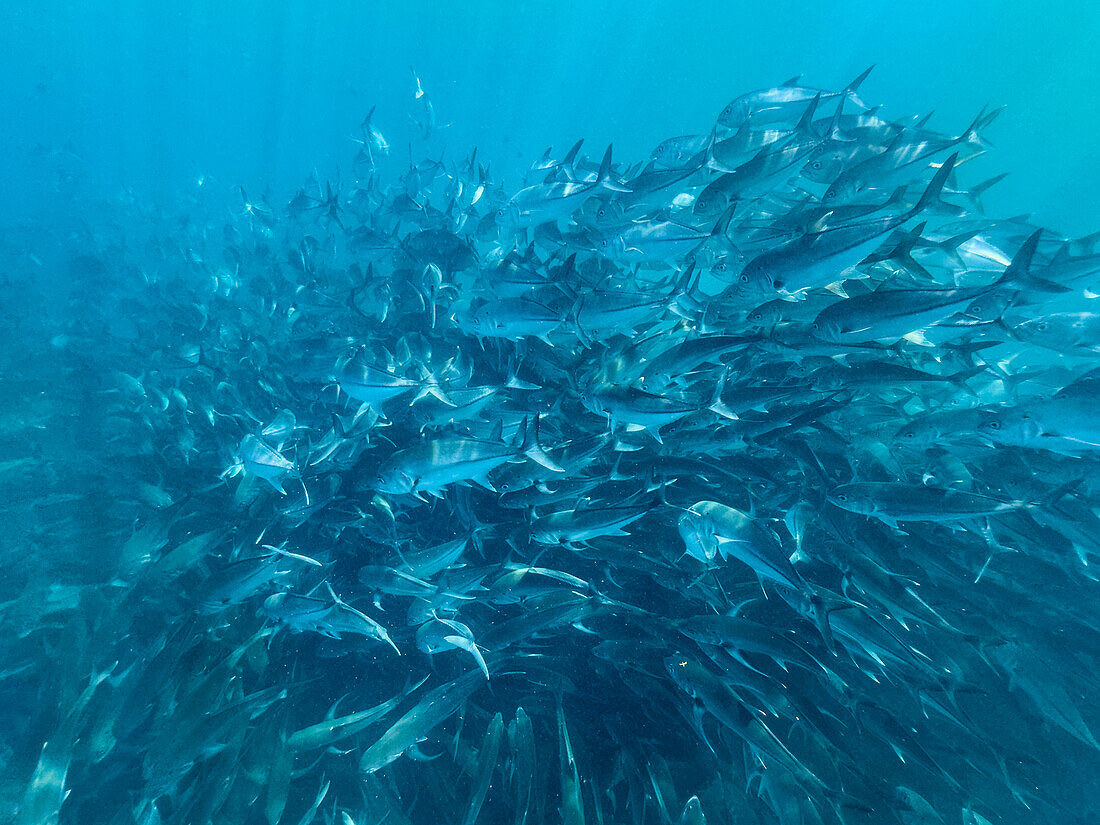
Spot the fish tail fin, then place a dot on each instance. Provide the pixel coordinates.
(850, 90)
(533, 450)
(971, 136)
(717, 405)
(980, 189)
(989, 118)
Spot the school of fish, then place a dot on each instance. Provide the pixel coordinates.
(752, 482)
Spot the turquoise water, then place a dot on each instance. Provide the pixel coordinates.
(266, 91)
(426, 471)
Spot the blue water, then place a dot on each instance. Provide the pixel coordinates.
(268, 91)
(476, 484)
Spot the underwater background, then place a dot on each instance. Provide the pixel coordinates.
(153, 98)
(371, 451)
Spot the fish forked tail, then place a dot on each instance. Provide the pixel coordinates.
(531, 447)
(849, 91)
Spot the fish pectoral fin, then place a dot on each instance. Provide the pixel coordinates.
(483, 481)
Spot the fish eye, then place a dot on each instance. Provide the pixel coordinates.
(744, 278)
(1042, 326)
(830, 194)
(815, 165)
(842, 497)
(994, 424)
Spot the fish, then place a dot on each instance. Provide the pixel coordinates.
(778, 103)
(886, 315)
(447, 634)
(891, 502)
(434, 708)
(750, 479)
(436, 463)
(818, 258)
(550, 201)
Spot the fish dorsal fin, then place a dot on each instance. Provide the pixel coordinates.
(808, 116)
(834, 125)
(791, 81)
(497, 433)
(571, 156)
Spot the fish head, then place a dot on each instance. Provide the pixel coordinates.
(508, 215)
(920, 433)
(613, 247)
(680, 668)
(547, 537)
(700, 537)
(766, 316)
(393, 480)
(602, 213)
(853, 498)
(991, 306)
(589, 396)
(726, 267)
(710, 204)
(825, 164)
(1009, 426)
(430, 637)
(829, 330)
(667, 153)
(757, 278)
(734, 115)
(843, 190)
(1051, 331)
